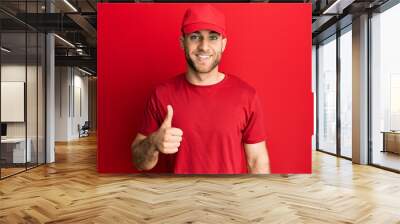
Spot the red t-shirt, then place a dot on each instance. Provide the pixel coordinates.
(216, 120)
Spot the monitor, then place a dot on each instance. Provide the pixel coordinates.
(3, 129)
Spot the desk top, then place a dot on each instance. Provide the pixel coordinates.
(13, 140)
(390, 132)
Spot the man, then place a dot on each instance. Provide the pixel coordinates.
(203, 121)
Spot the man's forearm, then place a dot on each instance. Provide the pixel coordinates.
(259, 166)
(145, 154)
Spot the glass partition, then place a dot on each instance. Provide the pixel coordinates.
(32, 95)
(22, 88)
(14, 153)
(327, 95)
(41, 107)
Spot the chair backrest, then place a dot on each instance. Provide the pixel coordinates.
(86, 125)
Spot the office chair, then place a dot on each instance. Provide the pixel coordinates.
(84, 130)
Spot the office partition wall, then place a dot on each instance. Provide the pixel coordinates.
(22, 77)
(14, 147)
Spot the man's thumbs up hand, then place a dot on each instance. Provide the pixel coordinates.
(167, 139)
(168, 119)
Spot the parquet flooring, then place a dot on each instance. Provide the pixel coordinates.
(10, 171)
(71, 191)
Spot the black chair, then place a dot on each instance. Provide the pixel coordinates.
(84, 130)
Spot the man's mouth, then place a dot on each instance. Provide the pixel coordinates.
(202, 57)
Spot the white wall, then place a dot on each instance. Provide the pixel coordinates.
(12, 73)
(71, 92)
(16, 73)
(33, 127)
(80, 89)
(62, 78)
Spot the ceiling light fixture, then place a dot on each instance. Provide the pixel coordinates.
(64, 40)
(70, 5)
(84, 71)
(337, 7)
(5, 50)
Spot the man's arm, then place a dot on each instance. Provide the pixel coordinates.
(144, 152)
(257, 158)
(166, 140)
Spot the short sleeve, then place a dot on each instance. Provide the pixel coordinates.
(151, 117)
(254, 131)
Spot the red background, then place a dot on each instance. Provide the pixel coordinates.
(269, 46)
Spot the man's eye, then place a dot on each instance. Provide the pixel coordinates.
(194, 37)
(213, 37)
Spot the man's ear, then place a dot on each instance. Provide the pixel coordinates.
(224, 43)
(181, 40)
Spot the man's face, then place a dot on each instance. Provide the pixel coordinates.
(203, 50)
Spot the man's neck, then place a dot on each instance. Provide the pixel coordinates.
(204, 79)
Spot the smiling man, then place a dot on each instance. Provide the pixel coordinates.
(203, 121)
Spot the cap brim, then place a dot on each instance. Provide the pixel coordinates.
(190, 28)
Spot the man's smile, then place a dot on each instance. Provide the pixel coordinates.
(202, 57)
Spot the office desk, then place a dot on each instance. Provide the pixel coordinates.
(13, 150)
(391, 141)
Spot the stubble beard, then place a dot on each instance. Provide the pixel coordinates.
(193, 66)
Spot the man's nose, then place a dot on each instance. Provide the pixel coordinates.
(204, 45)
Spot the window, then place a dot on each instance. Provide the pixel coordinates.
(346, 93)
(327, 95)
(385, 88)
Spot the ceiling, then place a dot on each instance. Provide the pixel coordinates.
(72, 20)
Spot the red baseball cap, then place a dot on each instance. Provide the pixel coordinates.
(203, 17)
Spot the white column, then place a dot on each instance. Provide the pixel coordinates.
(50, 92)
(50, 99)
(360, 89)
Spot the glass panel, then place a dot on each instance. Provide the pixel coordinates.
(327, 96)
(31, 100)
(22, 88)
(32, 89)
(386, 88)
(41, 98)
(346, 94)
(13, 88)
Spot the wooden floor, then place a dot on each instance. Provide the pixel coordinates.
(387, 159)
(5, 172)
(71, 191)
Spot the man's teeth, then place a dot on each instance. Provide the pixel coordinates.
(203, 56)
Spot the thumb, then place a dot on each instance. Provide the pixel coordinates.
(168, 118)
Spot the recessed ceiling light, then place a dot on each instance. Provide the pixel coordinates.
(337, 7)
(84, 71)
(5, 50)
(64, 40)
(70, 5)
